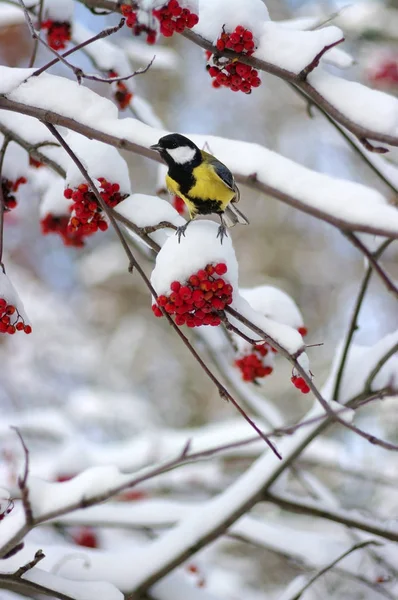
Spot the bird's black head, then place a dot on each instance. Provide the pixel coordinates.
(176, 149)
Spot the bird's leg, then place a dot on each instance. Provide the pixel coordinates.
(181, 230)
(222, 230)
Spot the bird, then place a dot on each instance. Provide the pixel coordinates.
(204, 183)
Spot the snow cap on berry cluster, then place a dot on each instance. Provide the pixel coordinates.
(100, 160)
(274, 304)
(200, 247)
(8, 293)
(54, 201)
(146, 211)
(216, 15)
(58, 10)
(16, 161)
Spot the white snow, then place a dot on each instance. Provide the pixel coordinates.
(366, 107)
(294, 50)
(58, 10)
(216, 14)
(200, 247)
(274, 304)
(54, 201)
(101, 160)
(140, 54)
(16, 161)
(9, 293)
(145, 210)
(11, 15)
(11, 78)
(360, 363)
(79, 590)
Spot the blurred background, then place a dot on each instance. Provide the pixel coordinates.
(97, 353)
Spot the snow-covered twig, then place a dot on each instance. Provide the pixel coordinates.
(28, 566)
(392, 351)
(315, 509)
(353, 325)
(330, 566)
(293, 360)
(315, 62)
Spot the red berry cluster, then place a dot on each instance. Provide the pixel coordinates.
(387, 73)
(300, 384)
(35, 163)
(86, 537)
(122, 94)
(200, 301)
(87, 217)
(179, 205)
(129, 12)
(9, 188)
(8, 313)
(58, 33)
(234, 74)
(59, 224)
(254, 365)
(173, 18)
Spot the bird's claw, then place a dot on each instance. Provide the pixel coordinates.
(181, 231)
(222, 232)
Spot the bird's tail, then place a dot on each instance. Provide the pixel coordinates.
(232, 216)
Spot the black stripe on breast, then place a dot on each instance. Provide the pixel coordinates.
(206, 207)
(183, 177)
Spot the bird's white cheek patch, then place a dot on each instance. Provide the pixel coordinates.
(182, 155)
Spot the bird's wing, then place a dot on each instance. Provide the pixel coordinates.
(224, 173)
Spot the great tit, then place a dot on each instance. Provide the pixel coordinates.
(204, 183)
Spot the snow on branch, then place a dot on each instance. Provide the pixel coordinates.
(344, 204)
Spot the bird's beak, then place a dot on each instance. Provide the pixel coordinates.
(156, 147)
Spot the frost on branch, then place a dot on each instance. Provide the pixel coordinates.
(12, 313)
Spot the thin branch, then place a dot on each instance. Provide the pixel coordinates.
(393, 350)
(36, 42)
(315, 62)
(25, 568)
(22, 481)
(391, 287)
(330, 566)
(134, 264)
(102, 34)
(353, 326)
(2, 206)
(315, 509)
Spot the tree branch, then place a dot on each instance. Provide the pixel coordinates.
(2, 206)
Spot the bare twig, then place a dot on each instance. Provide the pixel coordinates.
(353, 326)
(36, 42)
(2, 206)
(315, 509)
(22, 482)
(391, 287)
(374, 372)
(330, 566)
(25, 568)
(315, 62)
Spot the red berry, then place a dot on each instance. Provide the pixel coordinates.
(185, 292)
(202, 275)
(220, 45)
(221, 269)
(162, 300)
(175, 286)
(302, 331)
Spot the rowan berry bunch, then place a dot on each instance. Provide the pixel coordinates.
(173, 17)
(232, 73)
(87, 216)
(300, 384)
(58, 33)
(11, 320)
(199, 301)
(35, 163)
(122, 94)
(9, 188)
(131, 13)
(59, 224)
(257, 364)
(86, 537)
